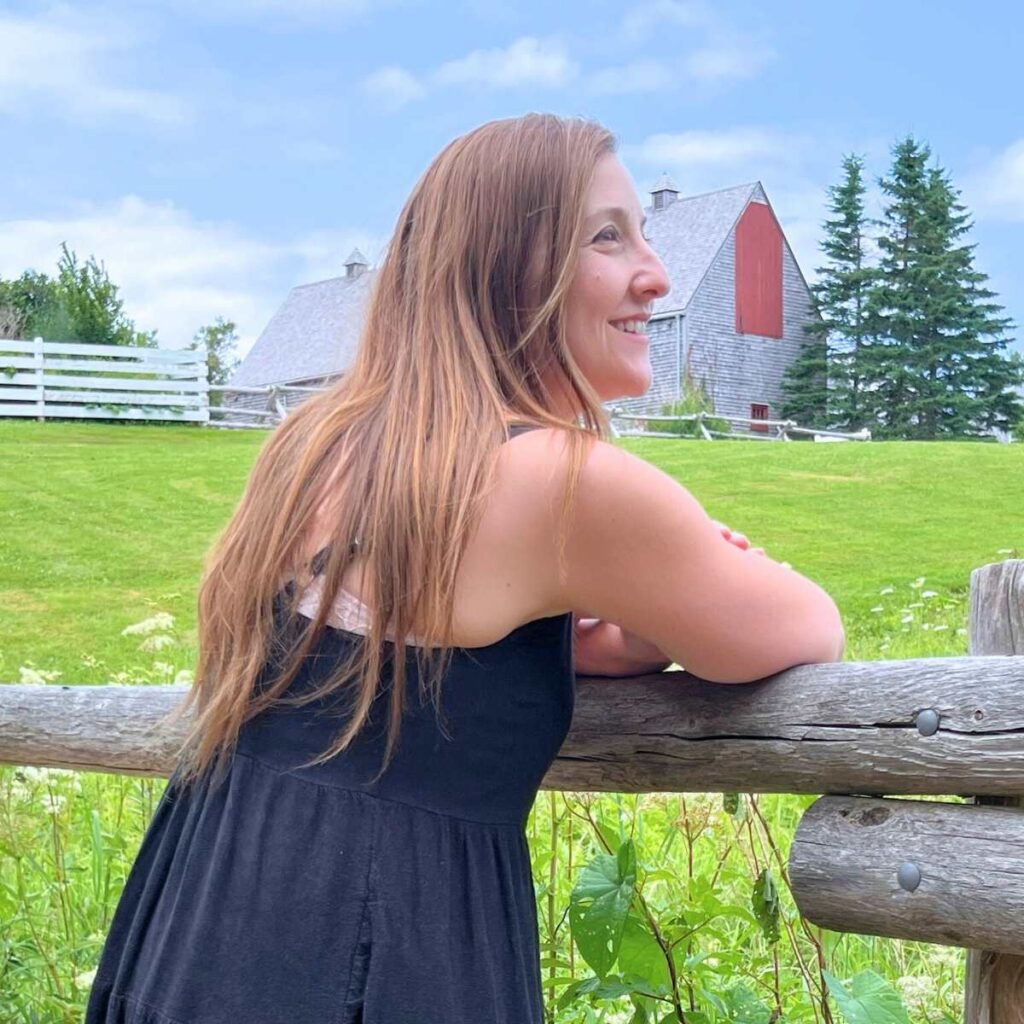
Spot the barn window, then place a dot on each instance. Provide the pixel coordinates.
(759, 411)
(759, 273)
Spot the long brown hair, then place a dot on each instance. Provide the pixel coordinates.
(465, 318)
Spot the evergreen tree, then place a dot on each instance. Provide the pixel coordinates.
(967, 385)
(896, 300)
(825, 384)
(937, 361)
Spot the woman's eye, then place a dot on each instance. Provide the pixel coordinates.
(608, 234)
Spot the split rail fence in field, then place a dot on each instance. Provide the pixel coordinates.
(862, 732)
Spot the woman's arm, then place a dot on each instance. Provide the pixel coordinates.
(605, 649)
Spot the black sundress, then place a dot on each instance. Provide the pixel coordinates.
(289, 895)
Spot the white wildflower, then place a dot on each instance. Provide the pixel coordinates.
(1005, 551)
(884, 646)
(907, 618)
(939, 629)
(162, 620)
(53, 802)
(961, 632)
(157, 642)
(86, 978)
(916, 991)
(924, 625)
(887, 590)
(184, 678)
(918, 583)
(38, 676)
(916, 604)
(878, 608)
(929, 593)
(163, 667)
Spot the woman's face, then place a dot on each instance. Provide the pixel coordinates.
(617, 280)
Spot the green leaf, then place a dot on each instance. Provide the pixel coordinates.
(869, 999)
(599, 905)
(765, 904)
(641, 956)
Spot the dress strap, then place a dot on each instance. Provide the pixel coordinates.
(515, 429)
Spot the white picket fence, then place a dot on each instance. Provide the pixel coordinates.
(56, 379)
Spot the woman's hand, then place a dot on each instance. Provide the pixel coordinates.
(604, 649)
(738, 539)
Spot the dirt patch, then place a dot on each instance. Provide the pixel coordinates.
(22, 601)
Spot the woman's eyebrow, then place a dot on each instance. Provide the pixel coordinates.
(614, 211)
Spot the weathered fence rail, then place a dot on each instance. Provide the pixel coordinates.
(758, 429)
(944, 872)
(40, 379)
(275, 409)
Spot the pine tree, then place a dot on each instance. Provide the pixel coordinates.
(936, 362)
(825, 383)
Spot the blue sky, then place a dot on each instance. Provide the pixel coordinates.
(215, 153)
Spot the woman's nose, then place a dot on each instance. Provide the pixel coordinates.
(652, 278)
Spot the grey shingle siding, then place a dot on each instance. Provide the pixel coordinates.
(314, 336)
(738, 369)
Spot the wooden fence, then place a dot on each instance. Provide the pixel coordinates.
(44, 379)
(639, 425)
(863, 732)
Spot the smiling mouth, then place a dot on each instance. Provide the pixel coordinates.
(631, 328)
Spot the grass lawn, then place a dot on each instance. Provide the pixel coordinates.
(103, 526)
(106, 525)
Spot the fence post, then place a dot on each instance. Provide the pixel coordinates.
(701, 427)
(995, 981)
(37, 352)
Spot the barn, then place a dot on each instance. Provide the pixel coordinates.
(733, 319)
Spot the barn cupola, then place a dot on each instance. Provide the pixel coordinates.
(664, 193)
(355, 264)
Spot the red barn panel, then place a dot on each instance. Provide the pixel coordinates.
(759, 272)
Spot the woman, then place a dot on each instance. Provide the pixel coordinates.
(333, 845)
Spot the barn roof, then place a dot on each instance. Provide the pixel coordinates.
(688, 234)
(316, 331)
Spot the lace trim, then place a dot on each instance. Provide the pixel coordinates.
(347, 612)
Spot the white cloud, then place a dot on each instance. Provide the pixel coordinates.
(177, 273)
(63, 61)
(639, 76)
(996, 190)
(276, 14)
(640, 22)
(729, 63)
(393, 86)
(709, 148)
(711, 51)
(527, 61)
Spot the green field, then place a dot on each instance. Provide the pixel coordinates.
(103, 526)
